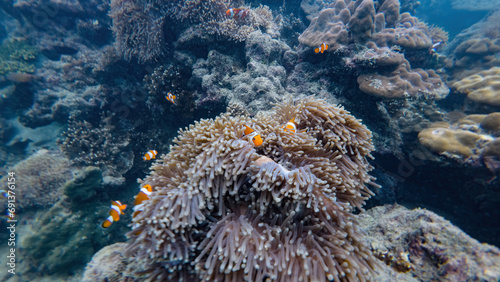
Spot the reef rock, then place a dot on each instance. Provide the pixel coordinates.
(428, 246)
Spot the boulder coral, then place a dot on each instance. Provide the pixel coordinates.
(41, 178)
(347, 22)
(482, 87)
(473, 139)
(475, 49)
(378, 44)
(224, 210)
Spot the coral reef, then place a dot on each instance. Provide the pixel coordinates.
(41, 178)
(107, 264)
(389, 43)
(17, 57)
(65, 237)
(428, 246)
(475, 49)
(473, 139)
(254, 87)
(140, 27)
(281, 211)
(482, 87)
(98, 144)
(404, 82)
(349, 22)
(138, 30)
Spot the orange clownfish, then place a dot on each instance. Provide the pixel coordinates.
(322, 48)
(114, 214)
(290, 126)
(237, 13)
(151, 154)
(141, 197)
(254, 136)
(171, 97)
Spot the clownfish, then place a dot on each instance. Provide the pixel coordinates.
(322, 48)
(237, 13)
(114, 213)
(254, 136)
(290, 126)
(151, 154)
(171, 97)
(141, 197)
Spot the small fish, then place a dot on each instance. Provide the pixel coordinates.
(434, 47)
(290, 126)
(171, 97)
(253, 135)
(151, 154)
(114, 213)
(141, 197)
(322, 48)
(4, 194)
(237, 13)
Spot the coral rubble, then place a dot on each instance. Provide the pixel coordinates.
(281, 211)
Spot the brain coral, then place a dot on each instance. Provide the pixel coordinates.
(224, 210)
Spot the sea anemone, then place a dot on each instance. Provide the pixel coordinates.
(224, 210)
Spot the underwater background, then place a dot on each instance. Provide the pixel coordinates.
(313, 140)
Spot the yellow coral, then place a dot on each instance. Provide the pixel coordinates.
(483, 87)
(444, 140)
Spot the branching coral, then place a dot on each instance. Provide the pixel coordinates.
(17, 56)
(93, 144)
(281, 211)
(221, 76)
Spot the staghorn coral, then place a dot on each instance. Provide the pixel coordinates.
(281, 211)
(482, 87)
(94, 144)
(17, 57)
